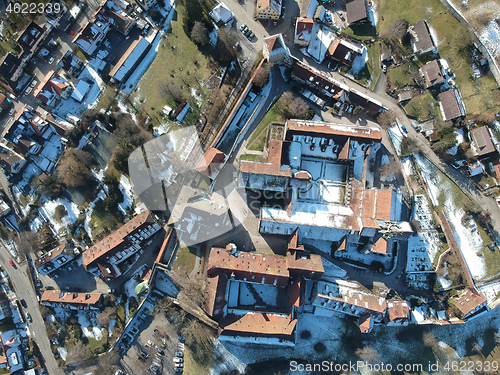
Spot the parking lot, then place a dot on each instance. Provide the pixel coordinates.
(154, 350)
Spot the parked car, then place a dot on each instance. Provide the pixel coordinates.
(28, 91)
(11, 262)
(404, 129)
(51, 60)
(12, 110)
(23, 304)
(179, 354)
(243, 27)
(247, 32)
(178, 360)
(250, 37)
(160, 352)
(33, 83)
(28, 318)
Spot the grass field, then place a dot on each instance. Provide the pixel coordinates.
(258, 139)
(184, 261)
(178, 64)
(453, 44)
(423, 107)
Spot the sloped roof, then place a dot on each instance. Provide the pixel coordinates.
(272, 167)
(468, 301)
(432, 73)
(356, 11)
(449, 105)
(259, 323)
(421, 36)
(55, 296)
(397, 310)
(114, 239)
(482, 141)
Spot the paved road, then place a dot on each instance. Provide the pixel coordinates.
(24, 290)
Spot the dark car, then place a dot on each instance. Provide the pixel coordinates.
(23, 303)
(160, 352)
(28, 317)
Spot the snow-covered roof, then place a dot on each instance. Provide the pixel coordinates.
(221, 13)
(80, 91)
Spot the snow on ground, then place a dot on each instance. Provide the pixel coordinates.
(213, 36)
(128, 195)
(490, 36)
(396, 137)
(71, 106)
(135, 77)
(85, 323)
(434, 35)
(359, 62)
(48, 210)
(197, 97)
(490, 291)
(36, 224)
(161, 129)
(372, 13)
(468, 238)
(62, 352)
(459, 138)
(229, 361)
(88, 212)
(407, 167)
(111, 327)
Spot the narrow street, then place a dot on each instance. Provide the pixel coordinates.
(24, 290)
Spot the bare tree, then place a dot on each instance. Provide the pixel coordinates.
(105, 316)
(261, 76)
(477, 348)
(199, 33)
(389, 170)
(397, 30)
(299, 107)
(430, 340)
(78, 353)
(108, 362)
(368, 354)
(73, 170)
(27, 242)
(386, 118)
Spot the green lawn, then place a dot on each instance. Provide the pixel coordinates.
(411, 11)
(424, 107)
(251, 157)
(179, 57)
(185, 259)
(402, 75)
(257, 140)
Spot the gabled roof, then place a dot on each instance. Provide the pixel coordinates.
(275, 5)
(259, 324)
(468, 301)
(211, 159)
(356, 11)
(343, 51)
(303, 28)
(421, 36)
(432, 73)
(114, 239)
(274, 43)
(55, 296)
(397, 310)
(451, 108)
(353, 131)
(481, 139)
(365, 323)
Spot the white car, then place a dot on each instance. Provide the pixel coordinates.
(28, 90)
(51, 60)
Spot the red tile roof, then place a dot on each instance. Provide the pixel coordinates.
(365, 323)
(259, 323)
(115, 239)
(352, 131)
(380, 246)
(272, 167)
(56, 296)
(383, 205)
(468, 301)
(397, 310)
(212, 158)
